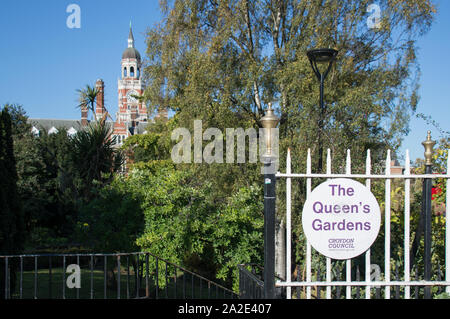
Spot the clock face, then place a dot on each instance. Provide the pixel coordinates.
(130, 96)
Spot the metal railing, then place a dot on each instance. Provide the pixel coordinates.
(352, 288)
(102, 276)
(250, 286)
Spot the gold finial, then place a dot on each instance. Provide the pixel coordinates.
(269, 121)
(428, 145)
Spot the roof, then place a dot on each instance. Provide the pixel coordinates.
(131, 53)
(141, 128)
(47, 124)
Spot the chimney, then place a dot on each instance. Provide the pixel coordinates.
(133, 115)
(163, 114)
(84, 116)
(100, 108)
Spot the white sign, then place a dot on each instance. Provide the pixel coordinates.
(341, 218)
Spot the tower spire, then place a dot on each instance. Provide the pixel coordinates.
(131, 38)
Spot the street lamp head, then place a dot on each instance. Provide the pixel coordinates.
(322, 55)
(268, 122)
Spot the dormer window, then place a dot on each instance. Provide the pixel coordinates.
(71, 131)
(35, 131)
(53, 130)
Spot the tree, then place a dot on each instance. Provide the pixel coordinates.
(221, 61)
(113, 220)
(43, 181)
(153, 145)
(12, 230)
(94, 158)
(87, 98)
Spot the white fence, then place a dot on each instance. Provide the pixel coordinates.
(367, 283)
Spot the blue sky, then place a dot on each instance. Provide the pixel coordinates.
(45, 62)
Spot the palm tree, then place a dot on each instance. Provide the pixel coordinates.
(95, 157)
(88, 97)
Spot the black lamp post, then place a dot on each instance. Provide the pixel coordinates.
(269, 121)
(321, 56)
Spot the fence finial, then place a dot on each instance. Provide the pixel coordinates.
(288, 161)
(368, 162)
(328, 161)
(407, 163)
(388, 162)
(308, 162)
(428, 144)
(348, 168)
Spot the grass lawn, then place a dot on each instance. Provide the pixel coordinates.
(50, 286)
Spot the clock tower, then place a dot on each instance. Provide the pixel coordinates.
(132, 109)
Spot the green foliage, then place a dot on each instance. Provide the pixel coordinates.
(87, 98)
(57, 175)
(174, 211)
(185, 226)
(94, 158)
(443, 295)
(11, 214)
(237, 234)
(223, 61)
(12, 230)
(112, 221)
(149, 146)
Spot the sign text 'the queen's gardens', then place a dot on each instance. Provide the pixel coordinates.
(341, 218)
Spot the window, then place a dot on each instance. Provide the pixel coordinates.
(35, 131)
(132, 72)
(125, 71)
(71, 131)
(53, 130)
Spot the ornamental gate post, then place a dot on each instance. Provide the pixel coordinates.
(269, 229)
(428, 145)
(269, 121)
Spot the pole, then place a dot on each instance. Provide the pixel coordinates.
(269, 229)
(427, 231)
(428, 145)
(321, 120)
(269, 121)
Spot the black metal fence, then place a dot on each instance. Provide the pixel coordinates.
(250, 286)
(102, 276)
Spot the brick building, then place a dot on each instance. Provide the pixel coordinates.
(131, 116)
